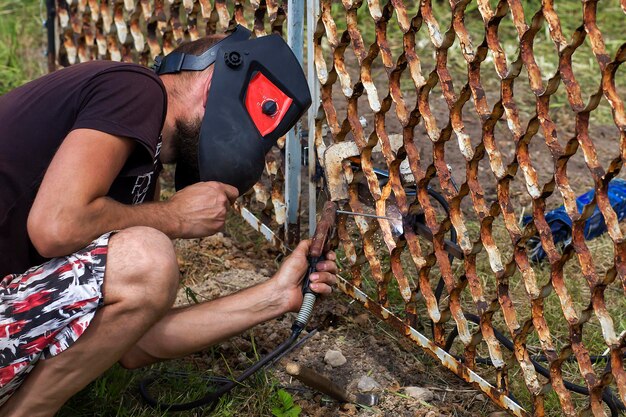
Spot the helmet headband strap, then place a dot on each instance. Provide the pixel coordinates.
(177, 61)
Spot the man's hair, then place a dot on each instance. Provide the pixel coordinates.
(199, 46)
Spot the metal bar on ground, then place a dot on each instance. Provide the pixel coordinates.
(447, 360)
(257, 224)
(318, 381)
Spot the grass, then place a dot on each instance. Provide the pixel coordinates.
(22, 43)
(586, 69)
(115, 393)
(602, 250)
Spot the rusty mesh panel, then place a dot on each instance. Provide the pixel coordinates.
(139, 30)
(482, 104)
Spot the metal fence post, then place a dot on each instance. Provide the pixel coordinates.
(313, 12)
(50, 26)
(293, 151)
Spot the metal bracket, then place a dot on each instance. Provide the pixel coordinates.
(336, 175)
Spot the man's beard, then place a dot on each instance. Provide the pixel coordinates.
(186, 137)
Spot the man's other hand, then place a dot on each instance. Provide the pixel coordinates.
(288, 279)
(201, 208)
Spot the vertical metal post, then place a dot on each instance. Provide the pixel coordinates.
(293, 149)
(50, 25)
(312, 15)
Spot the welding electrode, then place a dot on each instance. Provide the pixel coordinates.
(319, 246)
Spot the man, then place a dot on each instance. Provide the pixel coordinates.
(89, 269)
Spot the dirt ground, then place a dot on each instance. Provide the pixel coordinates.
(220, 265)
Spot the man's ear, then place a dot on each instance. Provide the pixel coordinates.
(207, 85)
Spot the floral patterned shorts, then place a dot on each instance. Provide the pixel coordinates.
(46, 309)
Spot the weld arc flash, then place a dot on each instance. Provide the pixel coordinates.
(258, 92)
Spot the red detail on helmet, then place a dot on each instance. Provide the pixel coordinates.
(261, 90)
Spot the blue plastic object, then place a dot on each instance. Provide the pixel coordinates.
(561, 224)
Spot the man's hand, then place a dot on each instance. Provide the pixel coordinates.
(201, 208)
(288, 279)
(59, 226)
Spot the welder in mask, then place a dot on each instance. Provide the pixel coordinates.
(89, 271)
(258, 92)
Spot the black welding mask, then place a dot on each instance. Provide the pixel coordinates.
(258, 92)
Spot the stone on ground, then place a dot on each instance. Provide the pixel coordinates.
(419, 393)
(334, 358)
(367, 384)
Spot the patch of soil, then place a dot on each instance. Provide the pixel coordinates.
(220, 265)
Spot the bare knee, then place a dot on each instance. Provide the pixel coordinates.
(141, 269)
(136, 358)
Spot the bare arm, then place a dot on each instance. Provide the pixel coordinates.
(196, 327)
(71, 207)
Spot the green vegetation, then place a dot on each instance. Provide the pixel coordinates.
(116, 394)
(602, 250)
(22, 43)
(285, 406)
(610, 20)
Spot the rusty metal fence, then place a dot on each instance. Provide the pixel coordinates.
(452, 120)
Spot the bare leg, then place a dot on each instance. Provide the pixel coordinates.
(140, 284)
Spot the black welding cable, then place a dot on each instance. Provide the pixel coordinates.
(539, 358)
(211, 398)
(611, 400)
(614, 403)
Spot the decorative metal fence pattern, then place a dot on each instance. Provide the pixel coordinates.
(392, 64)
(446, 115)
(137, 31)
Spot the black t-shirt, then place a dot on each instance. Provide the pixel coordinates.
(120, 99)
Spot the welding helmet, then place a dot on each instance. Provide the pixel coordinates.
(258, 92)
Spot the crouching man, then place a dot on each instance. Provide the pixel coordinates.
(88, 266)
